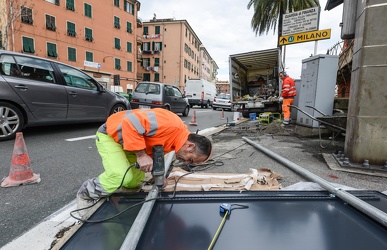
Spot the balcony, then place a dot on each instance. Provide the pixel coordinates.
(139, 57)
(139, 39)
(139, 23)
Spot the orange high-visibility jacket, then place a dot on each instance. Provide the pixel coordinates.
(288, 87)
(142, 129)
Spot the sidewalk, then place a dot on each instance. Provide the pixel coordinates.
(238, 157)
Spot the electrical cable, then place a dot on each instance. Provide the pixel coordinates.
(84, 208)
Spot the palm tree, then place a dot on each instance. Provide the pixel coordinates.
(268, 13)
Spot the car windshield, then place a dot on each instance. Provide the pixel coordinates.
(148, 88)
(224, 96)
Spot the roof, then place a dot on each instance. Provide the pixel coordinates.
(256, 60)
(332, 4)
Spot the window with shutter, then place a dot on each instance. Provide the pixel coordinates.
(51, 50)
(28, 45)
(70, 5)
(72, 54)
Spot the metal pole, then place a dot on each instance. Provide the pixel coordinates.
(315, 48)
(134, 234)
(366, 208)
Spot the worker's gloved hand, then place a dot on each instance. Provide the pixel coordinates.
(280, 99)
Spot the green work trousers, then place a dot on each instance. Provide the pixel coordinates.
(116, 161)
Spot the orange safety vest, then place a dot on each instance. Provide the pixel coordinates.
(142, 129)
(288, 87)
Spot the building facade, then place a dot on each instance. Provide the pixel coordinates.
(223, 87)
(173, 53)
(99, 37)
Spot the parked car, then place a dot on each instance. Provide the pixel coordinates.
(37, 91)
(159, 95)
(222, 101)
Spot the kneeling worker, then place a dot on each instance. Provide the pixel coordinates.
(128, 137)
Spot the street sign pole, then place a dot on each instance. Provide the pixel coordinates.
(284, 56)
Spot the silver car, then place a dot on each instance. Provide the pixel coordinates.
(37, 91)
(222, 101)
(159, 95)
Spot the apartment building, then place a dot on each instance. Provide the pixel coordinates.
(223, 87)
(173, 53)
(99, 37)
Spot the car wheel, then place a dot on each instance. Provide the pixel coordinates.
(168, 108)
(213, 108)
(11, 121)
(191, 106)
(207, 105)
(186, 111)
(117, 108)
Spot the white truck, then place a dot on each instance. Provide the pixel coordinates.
(200, 92)
(254, 83)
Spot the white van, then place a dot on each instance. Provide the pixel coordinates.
(200, 92)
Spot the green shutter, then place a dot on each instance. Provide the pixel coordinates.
(117, 63)
(145, 31)
(87, 10)
(89, 56)
(72, 54)
(129, 66)
(117, 22)
(157, 29)
(157, 77)
(157, 61)
(28, 45)
(51, 50)
(70, 5)
(117, 43)
(129, 47)
(89, 34)
(129, 27)
(71, 29)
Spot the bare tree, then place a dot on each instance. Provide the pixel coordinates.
(10, 15)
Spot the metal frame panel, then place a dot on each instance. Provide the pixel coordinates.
(274, 220)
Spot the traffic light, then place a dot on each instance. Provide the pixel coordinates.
(116, 80)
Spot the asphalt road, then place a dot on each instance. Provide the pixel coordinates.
(64, 160)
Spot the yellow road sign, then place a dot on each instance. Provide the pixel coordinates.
(305, 37)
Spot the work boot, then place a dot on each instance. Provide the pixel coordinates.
(286, 121)
(83, 204)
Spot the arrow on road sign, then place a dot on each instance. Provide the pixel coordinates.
(305, 37)
(283, 40)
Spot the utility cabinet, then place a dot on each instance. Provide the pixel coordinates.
(317, 88)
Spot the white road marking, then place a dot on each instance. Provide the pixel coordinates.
(81, 138)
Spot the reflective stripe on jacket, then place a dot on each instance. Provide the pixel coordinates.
(288, 87)
(142, 129)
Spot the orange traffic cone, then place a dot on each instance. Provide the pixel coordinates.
(193, 120)
(222, 114)
(20, 172)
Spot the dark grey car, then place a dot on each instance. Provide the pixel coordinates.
(159, 95)
(36, 91)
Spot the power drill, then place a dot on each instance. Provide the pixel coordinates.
(158, 165)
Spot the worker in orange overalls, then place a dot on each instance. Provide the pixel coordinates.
(128, 137)
(288, 93)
